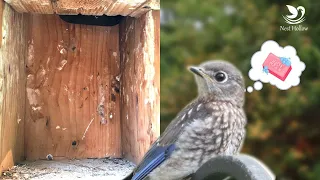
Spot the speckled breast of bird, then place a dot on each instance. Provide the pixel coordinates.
(220, 132)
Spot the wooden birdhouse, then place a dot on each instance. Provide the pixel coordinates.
(76, 90)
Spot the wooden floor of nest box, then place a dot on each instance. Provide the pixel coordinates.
(97, 169)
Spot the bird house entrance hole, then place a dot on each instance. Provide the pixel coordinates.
(77, 91)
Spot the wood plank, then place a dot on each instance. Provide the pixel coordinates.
(132, 8)
(34, 6)
(12, 85)
(140, 83)
(94, 7)
(145, 7)
(72, 90)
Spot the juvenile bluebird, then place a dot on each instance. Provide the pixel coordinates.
(212, 124)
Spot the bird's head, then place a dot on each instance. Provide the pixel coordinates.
(221, 80)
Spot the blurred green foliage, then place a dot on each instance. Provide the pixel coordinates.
(283, 126)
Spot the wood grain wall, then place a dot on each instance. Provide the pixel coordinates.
(73, 100)
(12, 86)
(140, 83)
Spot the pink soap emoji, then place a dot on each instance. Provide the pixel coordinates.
(280, 67)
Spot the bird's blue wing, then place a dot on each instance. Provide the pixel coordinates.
(154, 157)
(164, 146)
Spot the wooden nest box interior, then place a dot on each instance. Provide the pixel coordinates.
(78, 91)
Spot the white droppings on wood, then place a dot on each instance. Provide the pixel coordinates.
(30, 55)
(128, 30)
(101, 108)
(4, 33)
(62, 64)
(118, 77)
(64, 129)
(146, 101)
(58, 127)
(61, 49)
(36, 108)
(85, 132)
(127, 98)
(1, 84)
(115, 54)
(41, 75)
(48, 62)
(110, 116)
(65, 87)
(33, 96)
(18, 121)
(71, 96)
(30, 80)
(49, 157)
(90, 77)
(148, 58)
(134, 3)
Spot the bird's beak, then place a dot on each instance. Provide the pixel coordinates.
(196, 71)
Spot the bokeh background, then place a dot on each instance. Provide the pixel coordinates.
(283, 126)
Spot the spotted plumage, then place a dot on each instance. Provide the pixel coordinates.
(212, 124)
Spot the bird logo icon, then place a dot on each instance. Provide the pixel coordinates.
(294, 18)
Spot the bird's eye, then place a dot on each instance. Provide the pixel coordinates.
(221, 76)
